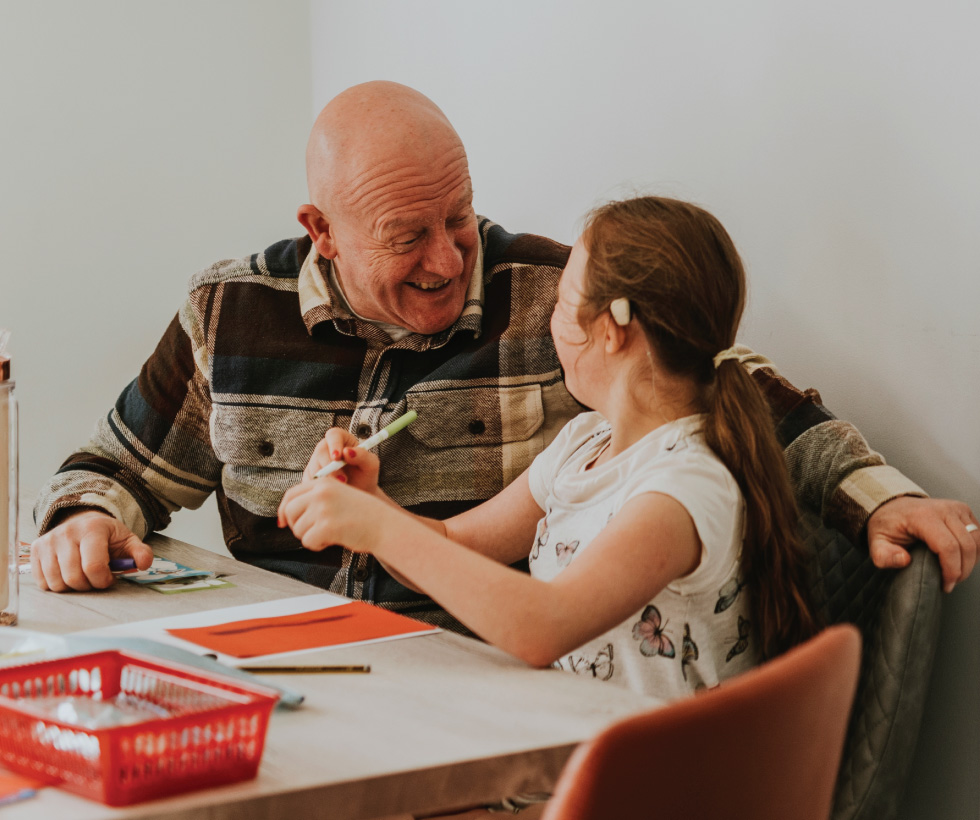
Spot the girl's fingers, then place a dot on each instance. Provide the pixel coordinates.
(329, 449)
(337, 440)
(288, 507)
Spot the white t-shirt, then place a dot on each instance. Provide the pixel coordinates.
(696, 632)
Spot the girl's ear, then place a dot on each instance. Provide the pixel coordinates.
(615, 335)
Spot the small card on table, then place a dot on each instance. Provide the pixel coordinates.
(162, 570)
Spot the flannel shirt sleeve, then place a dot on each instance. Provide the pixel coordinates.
(151, 454)
(834, 471)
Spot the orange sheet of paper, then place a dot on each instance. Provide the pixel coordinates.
(342, 624)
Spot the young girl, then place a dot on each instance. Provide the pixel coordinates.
(660, 529)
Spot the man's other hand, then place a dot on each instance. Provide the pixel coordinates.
(948, 528)
(75, 554)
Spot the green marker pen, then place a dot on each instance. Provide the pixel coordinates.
(370, 443)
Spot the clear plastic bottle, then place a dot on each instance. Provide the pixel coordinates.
(10, 554)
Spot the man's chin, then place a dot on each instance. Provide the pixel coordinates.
(432, 327)
(435, 316)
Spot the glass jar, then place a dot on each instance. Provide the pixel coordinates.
(10, 556)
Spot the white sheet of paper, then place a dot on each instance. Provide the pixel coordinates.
(156, 628)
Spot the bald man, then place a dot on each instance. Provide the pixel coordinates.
(399, 297)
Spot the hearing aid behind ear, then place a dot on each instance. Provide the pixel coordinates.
(620, 310)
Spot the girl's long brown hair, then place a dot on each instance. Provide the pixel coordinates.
(686, 286)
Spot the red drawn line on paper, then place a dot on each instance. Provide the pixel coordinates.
(241, 629)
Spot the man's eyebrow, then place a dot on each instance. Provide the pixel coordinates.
(401, 222)
(464, 201)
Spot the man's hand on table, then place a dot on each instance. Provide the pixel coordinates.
(75, 554)
(940, 523)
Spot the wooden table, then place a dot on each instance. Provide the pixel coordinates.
(441, 721)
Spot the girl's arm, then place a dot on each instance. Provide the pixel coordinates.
(501, 528)
(651, 542)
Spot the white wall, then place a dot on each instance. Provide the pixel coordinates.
(140, 142)
(837, 141)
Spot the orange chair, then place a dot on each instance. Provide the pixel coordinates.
(765, 746)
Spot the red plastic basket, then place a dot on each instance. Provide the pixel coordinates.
(215, 733)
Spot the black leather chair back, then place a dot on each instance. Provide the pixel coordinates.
(898, 615)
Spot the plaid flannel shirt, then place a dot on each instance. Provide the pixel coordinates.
(262, 359)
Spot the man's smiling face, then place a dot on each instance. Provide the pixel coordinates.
(391, 205)
(405, 241)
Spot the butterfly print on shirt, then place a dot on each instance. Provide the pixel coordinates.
(743, 639)
(651, 635)
(565, 552)
(540, 542)
(727, 594)
(689, 650)
(602, 667)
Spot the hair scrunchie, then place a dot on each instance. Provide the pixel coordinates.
(725, 355)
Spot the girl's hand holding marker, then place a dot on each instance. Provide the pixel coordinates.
(339, 450)
(368, 444)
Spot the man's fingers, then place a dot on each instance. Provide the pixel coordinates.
(971, 543)
(93, 562)
(75, 554)
(939, 532)
(51, 572)
(886, 555)
(141, 553)
(37, 568)
(964, 552)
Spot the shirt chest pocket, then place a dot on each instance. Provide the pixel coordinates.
(268, 437)
(467, 443)
(476, 416)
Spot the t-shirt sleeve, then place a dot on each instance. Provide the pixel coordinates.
(709, 493)
(541, 473)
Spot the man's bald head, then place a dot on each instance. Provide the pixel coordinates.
(366, 128)
(391, 206)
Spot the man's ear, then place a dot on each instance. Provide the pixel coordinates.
(318, 227)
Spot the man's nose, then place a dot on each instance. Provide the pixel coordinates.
(442, 257)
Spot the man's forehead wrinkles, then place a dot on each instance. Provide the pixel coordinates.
(412, 205)
(395, 180)
(421, 211)
(399, 190)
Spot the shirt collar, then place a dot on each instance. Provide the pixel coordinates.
(319, 302)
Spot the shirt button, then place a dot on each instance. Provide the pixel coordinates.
(476, 427)
(266, 448)
(361, 574)
(363, 431)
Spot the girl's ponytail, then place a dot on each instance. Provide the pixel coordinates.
(738, 427)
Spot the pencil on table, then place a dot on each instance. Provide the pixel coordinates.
(307, 669)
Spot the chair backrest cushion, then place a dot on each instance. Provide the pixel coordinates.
(898, 614)
(765, 745)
